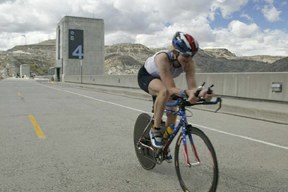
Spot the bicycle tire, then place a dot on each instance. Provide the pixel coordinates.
(200, 177)
(140, 124)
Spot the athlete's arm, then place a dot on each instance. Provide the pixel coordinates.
(163, 64)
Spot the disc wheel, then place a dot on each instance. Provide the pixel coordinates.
(141, 152)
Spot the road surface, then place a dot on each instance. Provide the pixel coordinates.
(57, 138)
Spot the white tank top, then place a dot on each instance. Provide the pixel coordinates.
(152, 69)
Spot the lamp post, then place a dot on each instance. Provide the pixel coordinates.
(81, 69)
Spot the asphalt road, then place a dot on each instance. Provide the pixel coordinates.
(57, 138)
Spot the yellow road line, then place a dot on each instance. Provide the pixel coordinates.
(37, 128)
(19, 94)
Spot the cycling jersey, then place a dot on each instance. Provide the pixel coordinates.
(152, 69)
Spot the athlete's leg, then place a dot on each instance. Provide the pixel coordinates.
(171, 119)
(157, 87)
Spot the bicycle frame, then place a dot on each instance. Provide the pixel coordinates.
(183, 123)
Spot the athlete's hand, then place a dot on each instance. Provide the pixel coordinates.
(206, 95)
(191, 93)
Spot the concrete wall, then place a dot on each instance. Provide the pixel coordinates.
(25, 70)
(93, 46)
(248, 85)
(244, 85)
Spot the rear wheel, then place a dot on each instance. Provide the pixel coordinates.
(202, 174)
(143, 154)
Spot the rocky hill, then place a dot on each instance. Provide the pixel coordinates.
(39, 56)
(128, 58)
(224, 53)
(125, 58)
(116, 64)
(208, 63)
(280, 65)
(207, 60)
(220, 53)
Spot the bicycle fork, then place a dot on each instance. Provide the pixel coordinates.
(184, 130)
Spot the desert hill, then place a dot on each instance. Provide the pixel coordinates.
(126, 58)
(116, 64)
(280, 65)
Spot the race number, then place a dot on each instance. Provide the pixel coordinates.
(76, 49)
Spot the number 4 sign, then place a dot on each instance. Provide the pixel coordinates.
(78, 52)
(76, 46)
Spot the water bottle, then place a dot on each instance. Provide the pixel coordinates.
(168, 132)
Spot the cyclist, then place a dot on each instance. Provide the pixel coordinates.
(156, 78)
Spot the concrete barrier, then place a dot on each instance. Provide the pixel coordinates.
(242, 85)
(259, 86)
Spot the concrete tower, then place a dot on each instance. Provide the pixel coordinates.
(79, 48)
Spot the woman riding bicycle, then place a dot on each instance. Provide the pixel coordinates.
(156, 78)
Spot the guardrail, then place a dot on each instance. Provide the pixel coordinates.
(264, 86)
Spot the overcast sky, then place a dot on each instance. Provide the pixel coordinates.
(245, 27)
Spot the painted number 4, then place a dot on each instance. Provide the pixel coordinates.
(78, 52)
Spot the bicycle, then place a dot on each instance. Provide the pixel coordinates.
(197, 174)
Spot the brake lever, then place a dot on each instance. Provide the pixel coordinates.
(220, 104)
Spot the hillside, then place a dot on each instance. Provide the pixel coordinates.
(280, 65)
(207, 63)
(39, 56)
(127, 58)
(220, 53)
(225, 53)
(116, 64)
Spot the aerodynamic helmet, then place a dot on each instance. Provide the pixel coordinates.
(185, 43)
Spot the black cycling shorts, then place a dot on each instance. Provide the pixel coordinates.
(144, 78)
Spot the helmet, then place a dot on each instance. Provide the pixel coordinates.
(185, 43)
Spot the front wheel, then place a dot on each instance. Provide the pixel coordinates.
(201, 174)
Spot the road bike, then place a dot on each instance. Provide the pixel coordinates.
(195, 163)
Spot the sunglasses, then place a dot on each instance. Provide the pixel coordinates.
(187, 54)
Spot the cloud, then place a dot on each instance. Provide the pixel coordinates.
(271, 13)
(24, 16)
(269, 1)
(149, 22)
(122, 37)
(227, 7)
(248, 40)
(4, 1)
(242, 30)
(198, 28)
(247, 17)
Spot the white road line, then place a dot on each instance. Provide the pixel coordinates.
(49, 87)
(201, 126)
(106, 101)
(96, 99)
(242, 137)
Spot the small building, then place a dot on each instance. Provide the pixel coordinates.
(25, 71)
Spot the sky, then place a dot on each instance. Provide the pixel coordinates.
(244, 27)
